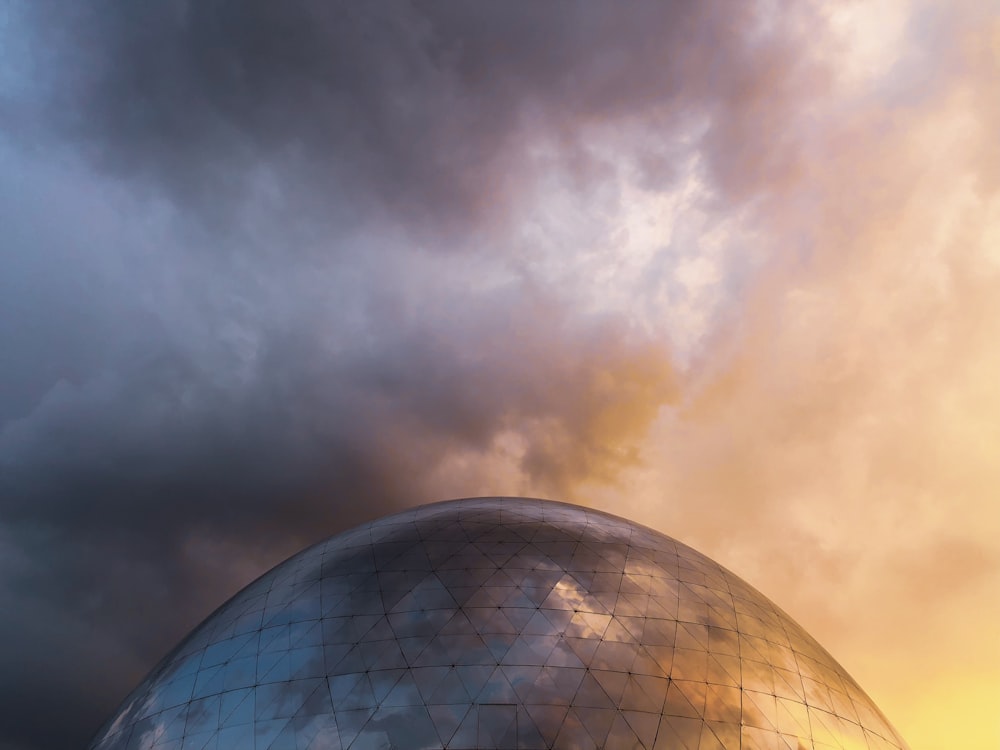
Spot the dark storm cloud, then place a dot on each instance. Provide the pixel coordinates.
(106, 483)
(175, 418)
(427, 110)
(172, 425)
(156, 446)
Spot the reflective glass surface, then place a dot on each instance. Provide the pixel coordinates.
(498, 623)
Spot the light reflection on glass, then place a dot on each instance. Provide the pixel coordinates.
(500, 623)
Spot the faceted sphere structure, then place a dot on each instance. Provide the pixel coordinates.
(498, 623)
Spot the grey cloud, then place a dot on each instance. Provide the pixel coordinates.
(425, 111)
(123, 470)
(169, 417)
(185, 385)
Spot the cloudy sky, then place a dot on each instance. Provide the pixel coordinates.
(731, 269)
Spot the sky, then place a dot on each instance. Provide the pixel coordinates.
(729, 269)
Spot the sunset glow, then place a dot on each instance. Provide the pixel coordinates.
(731, 270)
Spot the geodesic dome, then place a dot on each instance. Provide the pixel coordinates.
(498, 623)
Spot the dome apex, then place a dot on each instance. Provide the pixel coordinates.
(498, 623)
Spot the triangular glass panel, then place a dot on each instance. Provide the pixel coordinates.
(237, 707)
(598, 722)
(723, 703)
(574, 734)
(617, 632)
(760, 710)
(724, 670)
(692, 635)
(613, 683)
(678, 733)
(467, 734)
(590, 694)
(530, 650)
(528, 735)
(792, 718)
(584, 648)
(524, 680)
(447, 719)
(266, 731)
(427, 679)
(644, 725)
(548, 720)
(562, 655)
(622, 735)
(474, 677)
(241, 735)
(655, 661)
(497, 726)
(403, 692)
(644, 693)
(685, 698)
(351, 722)
(383, 681)
(451, 690)
(708, 740)
(497, 689)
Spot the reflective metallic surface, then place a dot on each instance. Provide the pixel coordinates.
(498, 623)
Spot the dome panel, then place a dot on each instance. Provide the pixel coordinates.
(498, 623)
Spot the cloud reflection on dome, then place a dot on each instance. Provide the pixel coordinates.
(498, 623)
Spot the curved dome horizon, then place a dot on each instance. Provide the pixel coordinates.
(498, 623)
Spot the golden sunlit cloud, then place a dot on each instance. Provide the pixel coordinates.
(838, 429)
(729, 269)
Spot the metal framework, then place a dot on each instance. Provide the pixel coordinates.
(498, 623)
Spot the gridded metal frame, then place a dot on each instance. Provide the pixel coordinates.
(498, 623)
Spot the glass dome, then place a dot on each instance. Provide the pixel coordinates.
(498, 623)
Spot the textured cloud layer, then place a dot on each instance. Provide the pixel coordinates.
(270, 270)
